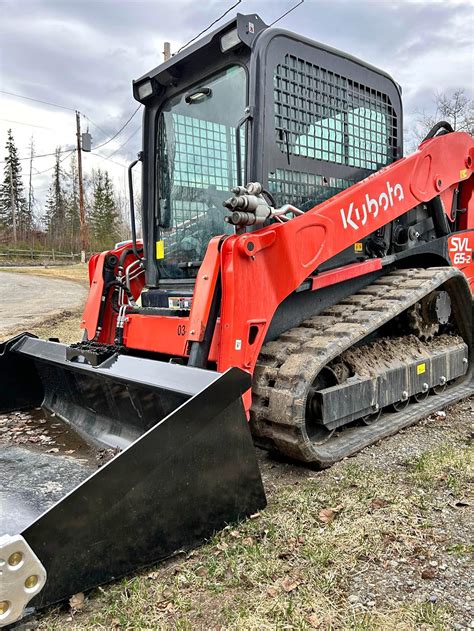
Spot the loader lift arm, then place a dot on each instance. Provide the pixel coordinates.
(248, 260)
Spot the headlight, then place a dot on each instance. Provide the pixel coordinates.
(230, 40)
(145, 90)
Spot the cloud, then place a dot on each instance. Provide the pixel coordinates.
(84, 54)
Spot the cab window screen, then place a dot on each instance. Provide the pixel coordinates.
(321, 116)
(328, 117)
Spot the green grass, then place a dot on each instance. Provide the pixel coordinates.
(461, 549)
(285, 569)
(447, 465)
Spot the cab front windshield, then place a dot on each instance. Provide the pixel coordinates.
(196, 168)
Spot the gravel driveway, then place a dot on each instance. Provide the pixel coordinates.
(28, 300)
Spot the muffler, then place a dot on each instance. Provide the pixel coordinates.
(183, 466)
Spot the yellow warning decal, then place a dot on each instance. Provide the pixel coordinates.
(462, 173)
(160, 250)
(358, 247)
(421, 369)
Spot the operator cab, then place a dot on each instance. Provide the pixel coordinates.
(251, 103)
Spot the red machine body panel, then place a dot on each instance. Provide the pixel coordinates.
(340, 274)
(310, 239)
(461, 253)
(253, 285)
(163, 334)
(204, 292)
(90, 315)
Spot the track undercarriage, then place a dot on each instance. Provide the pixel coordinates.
(364, 368)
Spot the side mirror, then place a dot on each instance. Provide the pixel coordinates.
(132, 203)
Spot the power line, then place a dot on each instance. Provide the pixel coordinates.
(41, 155)
(127, 141)
(70, 152)
(62, 160)
(7, 120)
(285, 14)
(119, 131)
(44, 155)
(95, 124)
(210, 25)
(99, 155)
(29, 98)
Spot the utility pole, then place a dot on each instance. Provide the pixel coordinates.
(82, 214)
(167, 51)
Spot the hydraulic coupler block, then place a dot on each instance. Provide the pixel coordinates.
(248, 206)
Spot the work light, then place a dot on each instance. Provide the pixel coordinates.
(145, 90)
(230, 40)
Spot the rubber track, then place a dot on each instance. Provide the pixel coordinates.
(287, 367)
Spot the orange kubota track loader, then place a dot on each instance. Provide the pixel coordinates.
(322, 306)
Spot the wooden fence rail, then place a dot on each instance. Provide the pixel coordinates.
(51, 255)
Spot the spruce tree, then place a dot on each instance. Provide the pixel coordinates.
(104, 216)
(56, 206)
(15, 219)
(97, 182)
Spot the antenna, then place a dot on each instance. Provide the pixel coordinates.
(285, 14)
(208, 27)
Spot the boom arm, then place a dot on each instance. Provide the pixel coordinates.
(252, 281)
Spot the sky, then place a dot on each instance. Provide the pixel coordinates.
(83, 55)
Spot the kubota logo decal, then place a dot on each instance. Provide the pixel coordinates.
(460, 251)
(356, 216)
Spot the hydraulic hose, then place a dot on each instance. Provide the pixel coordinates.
(270, 197)
(124, 255)
(442, 125)
(440, 220)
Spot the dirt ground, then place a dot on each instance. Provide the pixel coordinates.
(29, 300)
(381, 541)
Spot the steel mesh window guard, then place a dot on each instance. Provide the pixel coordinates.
(326, 117)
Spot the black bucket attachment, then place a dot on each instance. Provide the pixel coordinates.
(186, 468)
